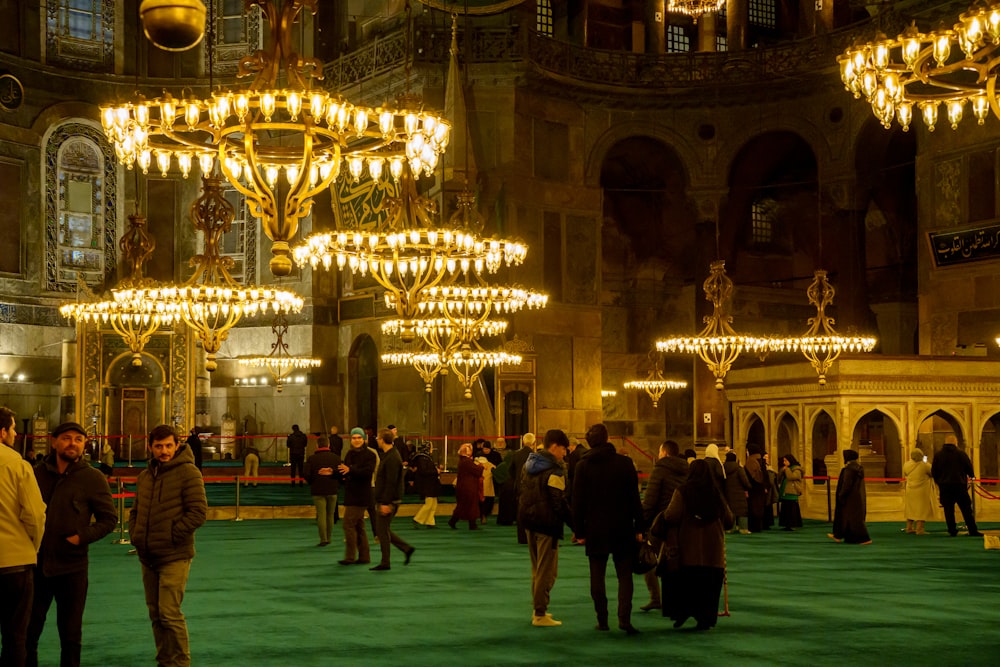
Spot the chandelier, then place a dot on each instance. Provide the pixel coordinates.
(695, 8)
(135, 327)
(718, 345)
(923, 72)
(821, 344)
(655, 384)
(280, 363)
(274, 131)
(211, 302)
(409, 252)
(427, 364)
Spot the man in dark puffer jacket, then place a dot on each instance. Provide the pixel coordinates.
(670, 471)
(542, 510)
(169, 506)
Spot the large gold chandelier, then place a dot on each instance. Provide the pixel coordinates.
(718, 344)
(924, 72)
(211, 302)
(274, 131)
(409, 253)
(280, 362)
(135, 327)
(655, 385)
(821, 344)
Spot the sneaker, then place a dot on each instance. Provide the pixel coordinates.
(649, 606)
(545, 621)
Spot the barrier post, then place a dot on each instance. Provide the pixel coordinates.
(121, 515)
(237, 517)
(829, 508)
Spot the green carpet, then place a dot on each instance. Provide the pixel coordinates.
(261, 593)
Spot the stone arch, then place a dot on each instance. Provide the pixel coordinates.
(877, 437)
(677, 141)
(362, 378)
(755, 429)
(823, 442)
(989, 451)
(134, 401)
(768, 225)
(787, 437)
(933, 426)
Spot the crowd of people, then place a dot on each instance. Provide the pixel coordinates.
(51, 512)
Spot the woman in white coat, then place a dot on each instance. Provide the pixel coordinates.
(919, 497)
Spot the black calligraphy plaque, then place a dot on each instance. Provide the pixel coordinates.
(966, 245)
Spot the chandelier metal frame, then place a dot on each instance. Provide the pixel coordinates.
(280, 362)
(821, 344)
(920, 72)
(136, 328)
(257, 133)
(655, 385)
(717, 344)
(211, 302)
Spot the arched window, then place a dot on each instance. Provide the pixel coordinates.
(80, 192)
(80, 34)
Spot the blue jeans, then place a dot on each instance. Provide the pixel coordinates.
(16, 593)
(164, 585)
(70, 593)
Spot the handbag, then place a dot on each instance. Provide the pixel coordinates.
(669, 560)
(647, 557)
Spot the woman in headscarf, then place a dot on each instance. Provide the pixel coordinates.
(849, 512)
(789, 490)
(919, 498)
(427, 483)
(700, 515)
(717, 467)
(468, 483)
(758, 502)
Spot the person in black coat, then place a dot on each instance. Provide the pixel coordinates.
(517, 461)
(297, 442)
(851, 506)
(426, 484)
(323, 476)
(194, 444)
(607, 518)
(388, 494)
(951, 471)
(357, 470)
(669, 472)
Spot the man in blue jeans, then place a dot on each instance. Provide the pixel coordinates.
(169, 506)
(73, 492)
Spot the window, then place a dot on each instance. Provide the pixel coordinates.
(233, 28)
(240, 242)
(762, 215)
(762, 13)
(236, 34)
(721, 43)
(80, 207)
(80, 33)
(543, 17)
(677, 40)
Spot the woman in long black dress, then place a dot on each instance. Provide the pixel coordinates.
(700, 516)
(849, 512)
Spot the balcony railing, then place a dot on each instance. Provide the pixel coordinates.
(599, 68)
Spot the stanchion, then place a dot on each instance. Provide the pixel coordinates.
(121, 514)
(237, 517)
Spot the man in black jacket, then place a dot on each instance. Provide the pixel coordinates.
(388, 495)
(73, 492)
(607, 518)
(357, 468)
(517, 461)
(297, 442)
(951, 471)
(324, 483)
(670, 471)
(543, 509)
